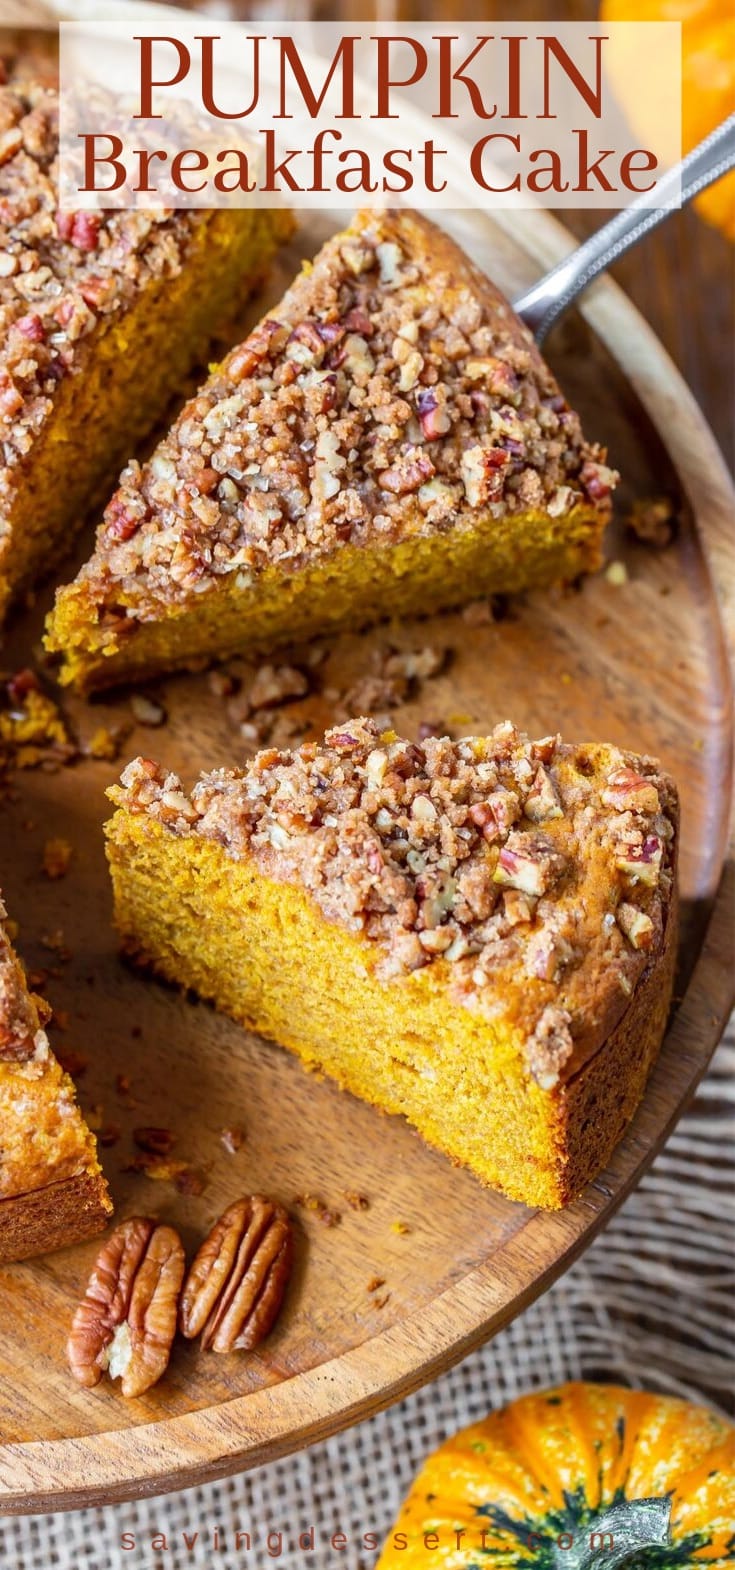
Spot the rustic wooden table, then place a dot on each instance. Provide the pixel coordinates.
(682, 280)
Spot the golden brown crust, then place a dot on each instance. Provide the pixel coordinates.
(51, 1186)
(597, 1104)
(53, 1217)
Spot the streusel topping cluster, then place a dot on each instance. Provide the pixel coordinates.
(21, 1036)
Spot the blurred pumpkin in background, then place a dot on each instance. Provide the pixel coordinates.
(707, 79)
(567, 1479)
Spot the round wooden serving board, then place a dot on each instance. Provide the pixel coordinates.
(643, 664)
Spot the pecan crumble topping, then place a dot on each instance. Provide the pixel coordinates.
(21, 1036)
(537, 873)
(393, 389)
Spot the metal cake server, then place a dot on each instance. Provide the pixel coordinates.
(541, 305)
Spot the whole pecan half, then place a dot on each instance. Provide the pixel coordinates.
(126, 1321)
(235, 1287)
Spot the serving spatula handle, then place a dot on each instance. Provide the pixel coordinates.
(541, 305)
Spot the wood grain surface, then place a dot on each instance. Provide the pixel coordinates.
(643, 664)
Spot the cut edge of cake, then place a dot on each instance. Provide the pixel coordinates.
(52, 1188)
(388, 440)
(532, 977)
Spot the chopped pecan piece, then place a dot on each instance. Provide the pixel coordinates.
(519, 908)
(416, 664)
(636, 925)
(529, 863)
(235, 1287)
(544, 749)
(119, 523)
(496, 374)
(108, 1135)
(31, 327)
(496, 815)
(631, 792)
(273, 684)
(157, 1141)
(551, 1046)
(126, 1322)
(642, 863)
(482, 469)
(265, 339)
(597, 479)
(305, 343)
(85, 231)
(547, 952)
(319, 1208)
(408, 473)
(542, 801)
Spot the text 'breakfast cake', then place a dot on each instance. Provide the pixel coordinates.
(479, 934)
(52, 1191)
(388, 441)
(102, 314)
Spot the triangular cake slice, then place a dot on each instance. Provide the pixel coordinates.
(52, 1191)
(388, 441)
(479, 934)
(102, 315)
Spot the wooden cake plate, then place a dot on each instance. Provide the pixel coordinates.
(643, 663)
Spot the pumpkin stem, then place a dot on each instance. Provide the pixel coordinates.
(618, 1535)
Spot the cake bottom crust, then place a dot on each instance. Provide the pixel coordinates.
(53, 1217)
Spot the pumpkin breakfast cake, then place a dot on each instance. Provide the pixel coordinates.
(388, 441)
(52, 1191)
(102, 314)
(478, 934)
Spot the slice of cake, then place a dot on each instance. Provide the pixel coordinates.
(389, 441)
(478, 934)
(52, 1191)
(101, 316)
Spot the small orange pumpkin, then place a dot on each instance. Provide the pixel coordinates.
(574, 1477)
(707, 81)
